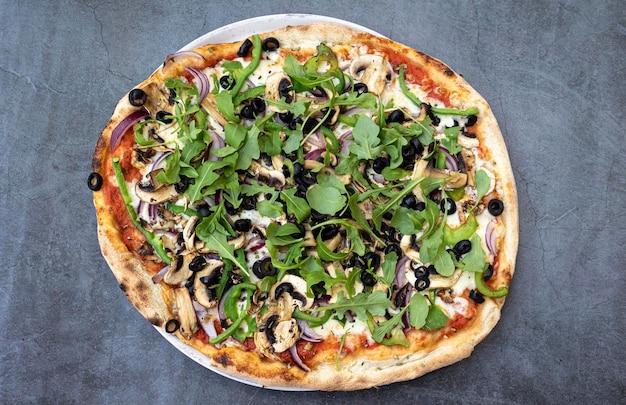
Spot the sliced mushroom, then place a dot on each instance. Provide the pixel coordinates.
(276, 335)
(278, 86)
(438, 281)
(468, 162)
(157, 99)
(406, 244)
(467, 142)
(186, 313)
(295, 287)
(237, 243)
(189, 231)
(156, 196)
(424, 169)
(373, 70)
(201, 288)
(273, 178)
(179, 270)
(210, 104)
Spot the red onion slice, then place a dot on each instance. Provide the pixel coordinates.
(122, 127)
(400, 274)
(314, 154)
(160, 274)
(491, 237)
(255, 243)
(178, 55)
(293, 350)
(217, 142)
(451, 163)
(308, 333)
(202, 82)
(207, 324)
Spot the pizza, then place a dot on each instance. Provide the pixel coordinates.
(311, 207)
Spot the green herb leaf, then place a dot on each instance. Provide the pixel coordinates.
(172, 168)
(296, 205)
(225, 105)
(482, 181)
(378, 213)
(326, 254)
(436, 318)
(361, 304)
(269, 209)
(418, 310)
(474, 260)
(282, 235)
(207, 175)
(250, 149)
(407, 221)
(325, 199)
(389, 268)
(217, 241)
(234, 134)
(366, 144)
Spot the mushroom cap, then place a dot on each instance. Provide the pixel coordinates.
(373, 70)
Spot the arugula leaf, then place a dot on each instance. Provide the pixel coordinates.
(282, 235)
(250, 149)
(389, 268)
(314, 273)
(407, 221)
(269, 209)
(234, 134)
(385, 328)
(366, 144)
(325, 199)
(356, 243)
(394, 174)
(378, 213)
(436, 318)
(217, 241)
(474, 260)
(172, 168)
(443, 263)
(271, 143)
(207, 175)
(296, 205)
(361, 304)
(350, 165)
(292, 143)
(482, 182)
(449, 141)
(326, 254)
(418, 310)
(225, 105)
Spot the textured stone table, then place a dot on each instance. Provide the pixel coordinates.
(554, 75)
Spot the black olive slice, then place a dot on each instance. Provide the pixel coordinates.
(422, 283)
(172, 325)
(137, 97)
(270, 44)
(462, 247)
(243, 225)
(448, 206)
(164, 117)
(495, 207)
(360, 88)
(197, 264)
(227, 82)
(380, 163)
(476, 296)
(396, 116)
(367, 279)
(245, 48)
(94, 181)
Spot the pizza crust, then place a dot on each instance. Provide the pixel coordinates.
(366, 368)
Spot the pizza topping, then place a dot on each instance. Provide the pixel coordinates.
(94, 181)
(137, 97)
(325, 202)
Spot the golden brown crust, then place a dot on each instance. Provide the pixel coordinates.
(363, 367)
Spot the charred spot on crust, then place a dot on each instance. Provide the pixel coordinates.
(222, 359)
(448, 72)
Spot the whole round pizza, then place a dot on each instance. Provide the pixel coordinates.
(313, 207)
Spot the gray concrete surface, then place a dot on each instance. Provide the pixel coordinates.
(554, 75)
